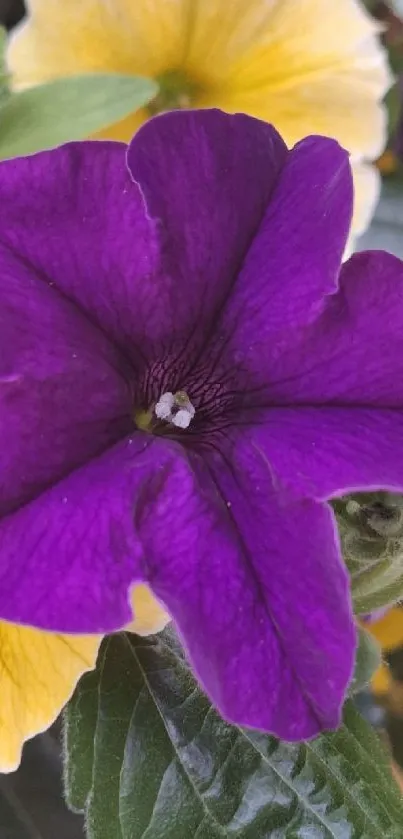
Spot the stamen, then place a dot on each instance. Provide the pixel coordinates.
(175, 408)
(163, 408)
(182, 419)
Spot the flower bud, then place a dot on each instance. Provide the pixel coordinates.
(371, 533)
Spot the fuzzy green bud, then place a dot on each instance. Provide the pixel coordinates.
(371, 533)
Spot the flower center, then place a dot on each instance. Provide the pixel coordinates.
(171, 409)
(176, 92)
(175, 408)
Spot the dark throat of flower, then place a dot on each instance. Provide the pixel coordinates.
(173, 412)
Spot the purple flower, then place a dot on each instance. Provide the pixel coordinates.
(187, 376)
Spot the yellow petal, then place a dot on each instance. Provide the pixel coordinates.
(124, 129)
(388, 631)
(39, 671)
(38, 674)
(309, 68)
(149, 615)
(235, 40)
(381, 681)
(305, 66)
(388, 163)
(64, 38)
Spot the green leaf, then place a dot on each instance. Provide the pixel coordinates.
(68, 109)
(79, 733)
(165, 766)
(368, 659)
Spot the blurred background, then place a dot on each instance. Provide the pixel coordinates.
(11, 11)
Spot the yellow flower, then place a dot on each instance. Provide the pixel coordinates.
(39, 671)
(388, 631)
(307, 66)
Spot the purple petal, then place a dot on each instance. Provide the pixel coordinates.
(259, 593)
(206, 177)
(64, 395)
(69, 557)
(92, 241)
(294, 262)
(353, 353)
(328, 451)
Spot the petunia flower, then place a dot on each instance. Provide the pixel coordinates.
(307, 66)
(187, 376)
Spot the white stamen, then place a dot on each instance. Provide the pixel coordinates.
(175, 408)
(182, 419)
(163, 408)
